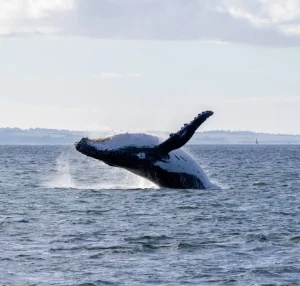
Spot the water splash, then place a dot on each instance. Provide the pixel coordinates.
(142, 183)
(93, 175)
(62, 178)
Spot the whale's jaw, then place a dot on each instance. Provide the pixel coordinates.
(83, 147)
(86, 147)
(104, 150)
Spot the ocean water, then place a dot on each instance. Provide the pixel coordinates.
(66, 219)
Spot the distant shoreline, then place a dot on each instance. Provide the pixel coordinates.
(39, 136)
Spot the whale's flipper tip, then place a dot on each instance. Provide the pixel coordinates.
(181, 137)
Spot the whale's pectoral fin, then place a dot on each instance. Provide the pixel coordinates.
(181, 137)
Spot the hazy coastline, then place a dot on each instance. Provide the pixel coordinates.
(40, 136)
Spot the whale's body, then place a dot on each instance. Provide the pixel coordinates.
(162, 162)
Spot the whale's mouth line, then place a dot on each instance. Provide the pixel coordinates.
(100, 140)
(93, 140)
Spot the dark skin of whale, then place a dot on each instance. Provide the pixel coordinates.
(129, 158)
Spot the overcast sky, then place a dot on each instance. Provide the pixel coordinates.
(150, 64)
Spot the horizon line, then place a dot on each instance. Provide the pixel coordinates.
(150, 131)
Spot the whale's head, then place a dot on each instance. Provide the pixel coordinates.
(119, 150)
(88, 147)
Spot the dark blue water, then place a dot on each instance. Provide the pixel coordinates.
(66, 219)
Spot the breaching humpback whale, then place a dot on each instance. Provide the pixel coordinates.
(162, 162)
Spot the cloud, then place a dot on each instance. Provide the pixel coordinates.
(108, 75)
(114, 75)
(31, 78)
(256, 22)
(290, 29)
(133, 75)
(279, 15)
(32, 16)
(281, 99)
